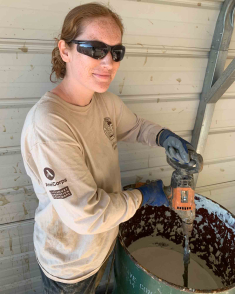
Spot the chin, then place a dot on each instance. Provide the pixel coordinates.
(101, 89)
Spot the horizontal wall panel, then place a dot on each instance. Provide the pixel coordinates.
(155, 156)
(211, 4)
(216, 143)
(178, 116)
(12, 171)
(18, 266)
(222, 195)
(159, 75)
(16, 239)
(11, 124)
(27, 286)
(164, 64)
(127, 89)
(159, 98)
(217, 172)
(11, 275)
(45, 5)
(150, 20)
(17, 204)
(213, 173)
(24, 89)
(15, 181)
(18, 74)
(231, 89)
(25, 60)
(223, 114)
(232, 43)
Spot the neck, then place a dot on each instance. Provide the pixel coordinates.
(73, 93)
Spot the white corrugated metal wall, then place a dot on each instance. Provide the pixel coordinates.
(160, 79)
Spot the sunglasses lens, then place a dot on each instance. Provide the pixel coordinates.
(99, 50)
(118, 53)
(96, 50)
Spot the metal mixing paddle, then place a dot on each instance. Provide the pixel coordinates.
(186, 260)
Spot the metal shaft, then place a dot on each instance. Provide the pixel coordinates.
(186, 260)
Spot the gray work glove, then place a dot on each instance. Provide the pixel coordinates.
(176, 147)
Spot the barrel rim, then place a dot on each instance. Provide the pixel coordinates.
(178, 287)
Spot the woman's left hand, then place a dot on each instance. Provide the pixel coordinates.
(176, 147)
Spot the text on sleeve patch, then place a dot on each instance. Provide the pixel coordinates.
(61, 194)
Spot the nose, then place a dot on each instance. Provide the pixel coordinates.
(107, 61)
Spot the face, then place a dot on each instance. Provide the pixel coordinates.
(92, 74)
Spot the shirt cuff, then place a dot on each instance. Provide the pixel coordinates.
(139, 196)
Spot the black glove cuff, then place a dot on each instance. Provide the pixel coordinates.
(163, 135)
(158, 137)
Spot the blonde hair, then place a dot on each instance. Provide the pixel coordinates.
(73, 26)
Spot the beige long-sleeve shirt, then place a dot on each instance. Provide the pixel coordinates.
(70, 153)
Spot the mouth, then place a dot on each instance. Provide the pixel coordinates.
(103, 77)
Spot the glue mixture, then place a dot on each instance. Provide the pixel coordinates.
(164, 259)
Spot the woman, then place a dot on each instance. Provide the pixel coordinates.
(69, 148)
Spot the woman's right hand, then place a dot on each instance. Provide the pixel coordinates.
(153, 194)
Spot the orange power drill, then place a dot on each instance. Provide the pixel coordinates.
(181, 192)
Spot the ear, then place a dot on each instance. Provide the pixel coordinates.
(64, 51)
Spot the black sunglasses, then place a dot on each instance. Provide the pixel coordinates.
(99, 50)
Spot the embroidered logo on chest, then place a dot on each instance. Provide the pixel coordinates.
(108, 130)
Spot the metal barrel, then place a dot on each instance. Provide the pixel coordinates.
(213, 241)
